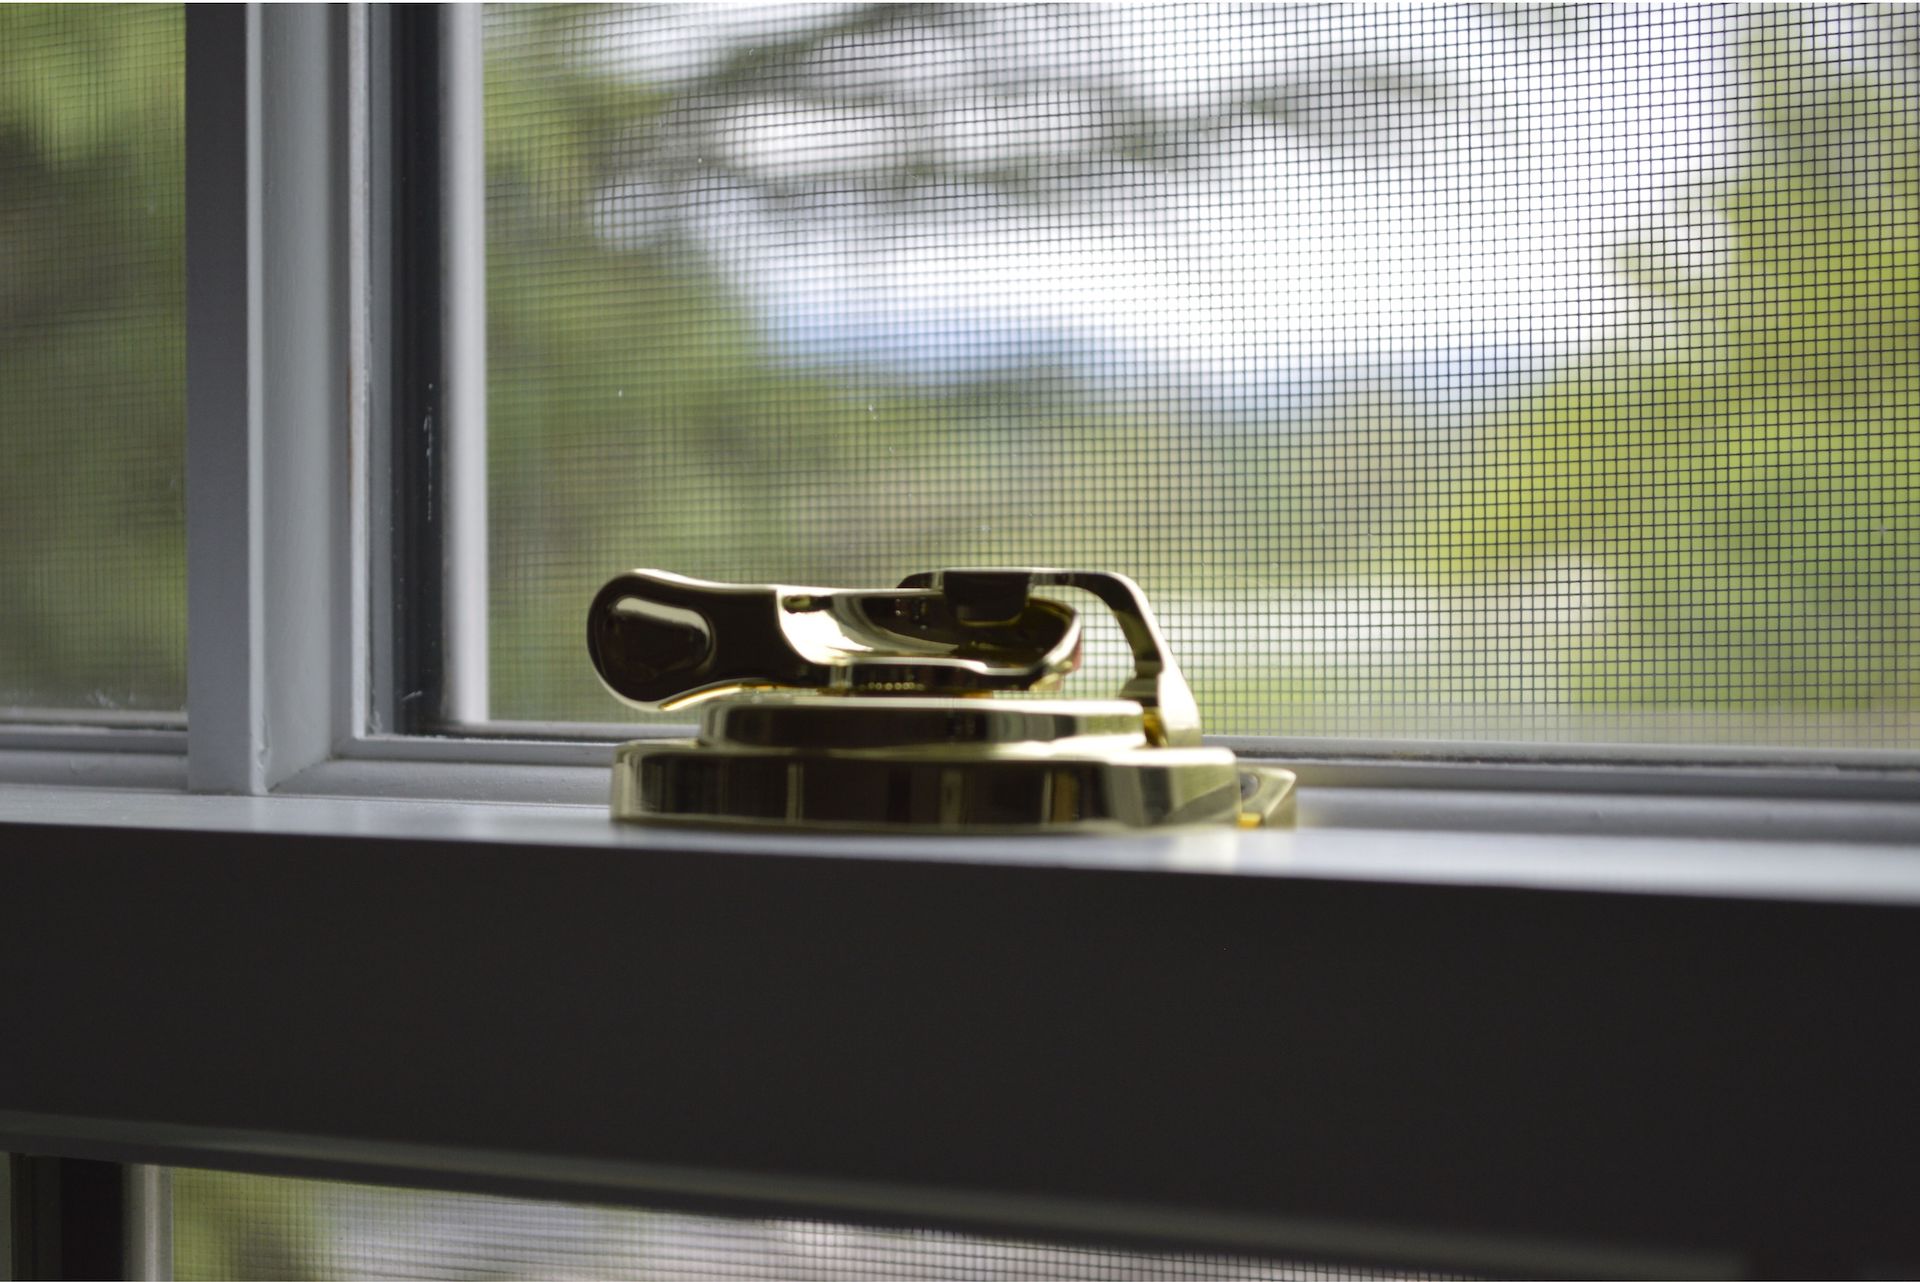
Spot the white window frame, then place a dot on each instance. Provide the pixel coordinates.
(282, 493)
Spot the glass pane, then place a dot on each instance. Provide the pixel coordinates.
(92, 360)
(247, 1226)
(1463, 373)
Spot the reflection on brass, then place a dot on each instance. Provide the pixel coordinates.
(885, 709)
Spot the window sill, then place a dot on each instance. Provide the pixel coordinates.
(1470, 1046)
(1842, 851)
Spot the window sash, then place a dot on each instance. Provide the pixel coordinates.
(1520, 1052)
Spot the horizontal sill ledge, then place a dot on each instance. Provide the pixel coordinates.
(1744, 848)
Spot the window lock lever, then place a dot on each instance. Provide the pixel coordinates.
(897, 709)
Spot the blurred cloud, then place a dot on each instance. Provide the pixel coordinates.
(1214, 196)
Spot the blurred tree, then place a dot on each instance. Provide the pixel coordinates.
(1741, 468)
(92, 384)
(642, 409)
(1733, 472)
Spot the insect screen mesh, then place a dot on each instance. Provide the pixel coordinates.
(243, 1226)
(1459, 373)
(92, 360)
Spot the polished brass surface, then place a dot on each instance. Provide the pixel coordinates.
(660, 640)
(1172, 717)
(873, 709)
(686, 782)
(811, 721)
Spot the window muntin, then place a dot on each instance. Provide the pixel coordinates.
(92, 362)
(1526, 375)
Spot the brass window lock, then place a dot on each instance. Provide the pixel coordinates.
(886, 709)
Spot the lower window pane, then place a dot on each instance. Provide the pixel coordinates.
(246, 1226)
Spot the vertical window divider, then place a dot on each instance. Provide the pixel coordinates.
(413, 511)
(365, 641)
(148, 1230)
(463, 222)
(268, 368)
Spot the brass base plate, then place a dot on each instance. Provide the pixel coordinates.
(944, 789)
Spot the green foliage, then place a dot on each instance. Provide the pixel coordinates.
(229, 1225)
(1743, 463)
(84, 79)
(92, 387)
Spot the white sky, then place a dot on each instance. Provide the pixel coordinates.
(1278, 252)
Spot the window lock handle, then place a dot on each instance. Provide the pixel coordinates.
(887, 708)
